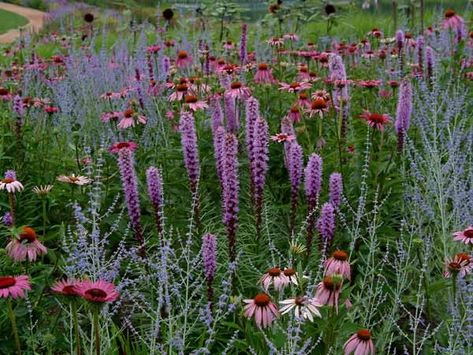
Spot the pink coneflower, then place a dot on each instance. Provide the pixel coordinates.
(375, 32)
(183, 59)
(303, 100)
(276, 42)
(65, 287)
(97, 291)
(14, 286)
(130, 118)
(369, 84)
(283, 137)
(10, 183)
(274, 276)
(194, 103)
(110, 116)
(465, 236)
(261, 307)
(74, 179)
(115, 148)
(328, 291)
(375, 120)
(179, 94)
(303, 73)
(111, 95)
(294, 113)
(453, 21)
(359, 343)
(321, 93)
(51, 109)
(153, 49)
(291, 276)
(25, 246)
(295, 87)
(291, 37)
(461, 264)
(238, 91)
(338, 264)
(303, 306)
(228, 45)
(264, 74)
(5, 95)
(318, 107)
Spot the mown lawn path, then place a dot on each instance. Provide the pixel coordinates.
(35, 18)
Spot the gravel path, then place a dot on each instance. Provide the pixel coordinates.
(35, 18)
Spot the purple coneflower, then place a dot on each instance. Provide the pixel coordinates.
(464, 236)
(26, 246)
(338, 264)
(359, 343)
(261, 307)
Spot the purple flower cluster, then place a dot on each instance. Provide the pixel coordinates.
(243, 40)
(155, 193)
(312, 186)
(209, 256)
(326, 224)
(404, 111)
(336, 189)
(190, 149)
(295, 167)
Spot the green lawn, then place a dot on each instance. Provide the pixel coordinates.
(9, 20)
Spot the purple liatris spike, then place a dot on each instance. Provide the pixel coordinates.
(420, 44)
(259, 167)
(155, 193)
(231, 189)
(217, 113)
(340, 95)
(430, 61)
(287, 128)
(18, 106)
(326, 225)
(243, 40)
(399, 40)
(404, 111)
(219, 141)
(130, 187)
(7, 219)
(209, 255)
(190, 149)
(312, 186)
(252, 114)
(295, 167)
(231, 114)
(336, 189)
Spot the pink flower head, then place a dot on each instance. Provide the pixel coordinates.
(303, 306)
(183, 59)
(130, 118)
(123, 145)
(375, 120)
(261, 307)
(110, 116)
(180, 93)
(291, 276)
(303, 99)
(338, 264)
(264, 74)
(111, 95)
(283, 137)
(276, 277)
(453, 21)
(328, 291)
(10, 183)
(97, 291)
(25, 246)
(291, 37)
(318, 107)
(359, 343)
(276, 42)
(295, 87)
(294, 113)
(65, 287)
(465, 236)
(321, 93)
(14, 286)
(194, 103)
(461, 264)
(238, 90)
(369, 84)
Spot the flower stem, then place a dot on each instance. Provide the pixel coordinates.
(76, 327)
(12, 317)
(97, 330)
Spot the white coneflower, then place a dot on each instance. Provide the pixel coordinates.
(303, 306)
(10, 183)
(73, 179)
(42, 190)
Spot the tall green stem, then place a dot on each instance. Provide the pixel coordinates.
(76, 327)
(12, 317)
(97, 330)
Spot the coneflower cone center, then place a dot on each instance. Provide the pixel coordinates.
(275, 271)
(449, 13)
(299, 301)
(463, 258)
(376, 118)
(7, 180)
(236, 85)
(289, 272)
(7, 281)
(331, 284)
(181, 87)
(190, 99)
(263, 66)
(96, 292)
(262, 300)
(468, 233)
(294, 86)
(69, 290)
(182, 55)
(319, 104)
(364, 334)
(340, 255)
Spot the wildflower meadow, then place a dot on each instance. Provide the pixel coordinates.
(229, 177)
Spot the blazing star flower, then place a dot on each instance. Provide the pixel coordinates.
(295, 87)
(303, 306)
(183, 59)
(74, 179)
(25, 246)
(10, 183)
(14, 286)
(465, 236)
(264, 74)
(238, 91)
(328, 291)
(65, 287)
(283, 137)
(318, 107)
(375, 120)
(274, 276)
(461, 264)
(194, 104)
(359, 343)
(338, 264)
(97, 291)
(261, 307)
